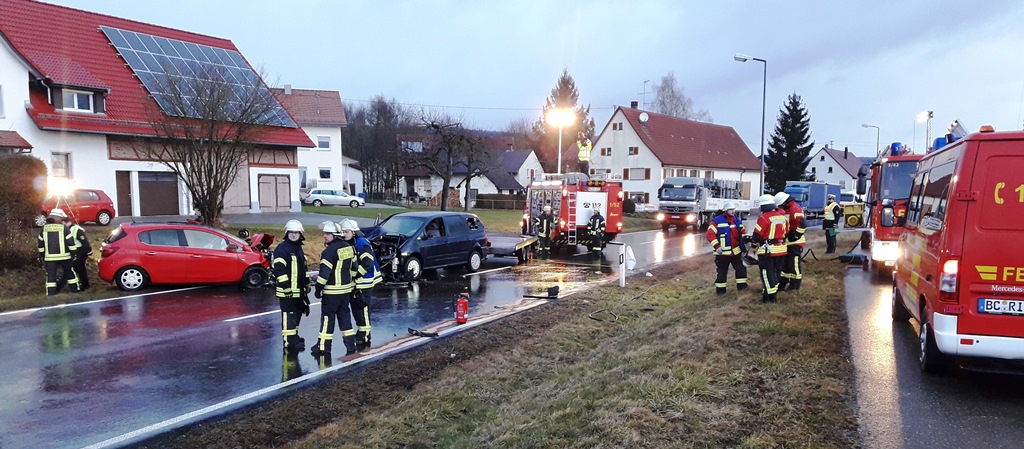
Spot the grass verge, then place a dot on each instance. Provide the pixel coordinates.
(668, 365)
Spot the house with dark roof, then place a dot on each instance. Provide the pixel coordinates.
(835, 167)
(79, 88)
(321, 115)
(643, 148)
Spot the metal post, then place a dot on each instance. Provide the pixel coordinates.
(764, 95)
(622, 262)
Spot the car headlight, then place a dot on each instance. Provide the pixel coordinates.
(885, 251)
(661, 216)
(691, 218)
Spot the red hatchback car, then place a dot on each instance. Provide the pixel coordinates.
(138, 254)
(81, 205)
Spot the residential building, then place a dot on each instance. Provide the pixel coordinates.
(509, 166)
(835, 167)
(643, 148)
(522, 164)
(82, 90)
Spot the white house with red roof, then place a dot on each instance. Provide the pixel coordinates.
(835, 167)
(77, 87)
(321, 115)
(643, 148)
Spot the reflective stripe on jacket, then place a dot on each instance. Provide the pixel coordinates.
(55, 242)
(771, 229)
(596, 224)
(289, 269)
(367, 271)
(336, 268)
(82, 245)
(542, 224)
(724, 232)
(797, 224)
(831, 211)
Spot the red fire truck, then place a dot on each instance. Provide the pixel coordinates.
(891, 176)
(573, 198)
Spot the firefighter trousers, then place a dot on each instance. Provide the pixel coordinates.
(78, 264)
(830, 236)
(544, 243)
(361, 315)
(334, 309)
(723, 262)
(792, 273)
(597, 241)
(52, 287)
(291, 315)
(771, 273)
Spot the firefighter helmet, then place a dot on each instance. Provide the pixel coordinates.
(766, 200)
(729, 206)
(547, 209)
(58, 213)
(330, 227)
(349, 224)
(781, 197)
(293, 226)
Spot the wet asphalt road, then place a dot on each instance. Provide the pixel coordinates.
(900, 407)
(95, 373)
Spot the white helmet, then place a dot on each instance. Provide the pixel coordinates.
(59, 213)
(547, 208)
(781, 197)
(330, 227)
(831, 196)
(293, 226)
(765, 200)
(349, 224)
(729, 206)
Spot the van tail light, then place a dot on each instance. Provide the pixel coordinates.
(947, 280)
(108, 251)
(561, 224)
(619, 225)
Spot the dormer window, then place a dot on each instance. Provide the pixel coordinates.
(78, 100)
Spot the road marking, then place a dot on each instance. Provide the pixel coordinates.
(488, 271)
(261, 314)
(61, 306)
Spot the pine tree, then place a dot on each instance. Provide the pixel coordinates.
(788, 146)
(545, 137)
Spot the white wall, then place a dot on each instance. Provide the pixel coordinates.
(524, 172)
(838, 175)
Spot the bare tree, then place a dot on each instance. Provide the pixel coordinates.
(371, 137)
(670, 100)
(479, 161)
(521, 131)
(447, 148)
(207, 130)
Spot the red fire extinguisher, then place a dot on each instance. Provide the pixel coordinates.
(462, 308)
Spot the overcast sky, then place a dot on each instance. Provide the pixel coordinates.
(493, 62)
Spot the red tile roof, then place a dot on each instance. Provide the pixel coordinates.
(11, 139)
(66, 47)
(681, 142)
(313, 107)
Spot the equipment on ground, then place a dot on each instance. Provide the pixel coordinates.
(461, 307)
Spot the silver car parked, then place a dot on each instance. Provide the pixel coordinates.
(321, 197)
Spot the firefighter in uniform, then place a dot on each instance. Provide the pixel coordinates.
(543, 225)
(833, 212)
(334, 286)
(292, 291)
(725, 233)
(770, 234)
(596, 228)
(792, 274)
(367, 275)
(55, 244)
(80, 252)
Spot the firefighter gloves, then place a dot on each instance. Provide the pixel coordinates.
(305, 305)
(319, 292)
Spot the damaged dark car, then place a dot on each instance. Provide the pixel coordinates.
(408, 243)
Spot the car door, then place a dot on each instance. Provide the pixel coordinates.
(459, 244)
(434, 243)
(85, 205)
(163, 255)
(209, 259)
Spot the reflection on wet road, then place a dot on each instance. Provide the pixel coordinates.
(82, 374)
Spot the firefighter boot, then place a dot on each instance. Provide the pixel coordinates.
(794, 285)
(783, 283)
(773, 297)
(720, 291)
(350, 345)
(322, 347)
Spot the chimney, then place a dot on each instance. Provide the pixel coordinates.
(846, 152)
(633, 104)
(287, 89)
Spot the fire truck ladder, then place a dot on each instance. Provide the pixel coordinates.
(571, 233)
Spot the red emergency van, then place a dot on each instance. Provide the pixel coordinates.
(960, 270)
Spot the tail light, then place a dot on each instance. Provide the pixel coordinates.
(307, 194)
(947, 280)
(561, 224)
(619, 225)
(565, 192)
(620, 194)
(108, 251)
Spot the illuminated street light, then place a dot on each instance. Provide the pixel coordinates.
(764, 93)
(878, 150)
(560, 117)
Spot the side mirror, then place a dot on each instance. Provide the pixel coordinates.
(233, 248)
(862, 184)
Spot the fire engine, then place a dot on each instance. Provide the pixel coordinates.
(891, 175)
(573, 198)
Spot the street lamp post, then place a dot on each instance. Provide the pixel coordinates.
(878, 150)
(764, 93)
(560, 117)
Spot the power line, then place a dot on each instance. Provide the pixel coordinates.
(484, 108)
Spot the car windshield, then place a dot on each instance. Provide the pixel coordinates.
(897, 178)
(403, 225)
(686, 193)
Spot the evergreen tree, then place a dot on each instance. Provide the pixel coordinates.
(545, 137)
(788, 147)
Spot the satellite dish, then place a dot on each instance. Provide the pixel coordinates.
(644, 117)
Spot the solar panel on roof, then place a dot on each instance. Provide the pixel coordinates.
(161, 63)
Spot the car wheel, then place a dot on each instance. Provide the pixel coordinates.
(131, 279)
(103, 218)
(412, 269)
(354, 204)
(865, 240)
(475, 260)
(899, 310)
(254, 277)
(317, 203)
(40, 220)
(930, 359)
(664, 227)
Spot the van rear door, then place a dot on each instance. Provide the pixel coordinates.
(992, 266)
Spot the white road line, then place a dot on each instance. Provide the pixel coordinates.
(488, 271)
(61, 306)
(644, 243)
(261, 314)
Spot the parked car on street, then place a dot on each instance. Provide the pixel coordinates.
(324, 197)
(138, 254)
(408, 243)
(81, 205)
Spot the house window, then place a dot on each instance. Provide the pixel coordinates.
(814, 170)
(1, 101)
(633, 151)
(302, 177)
(709, 174)
(607, 151)
(325, 172)
(323, 142)
(77, 100)
(830, 169)
(693, 173)
(532, 173)
(61, 165)
(823, 157)
(639, 173)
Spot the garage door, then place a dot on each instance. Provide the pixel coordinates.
(275, 193)
(158, 193)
